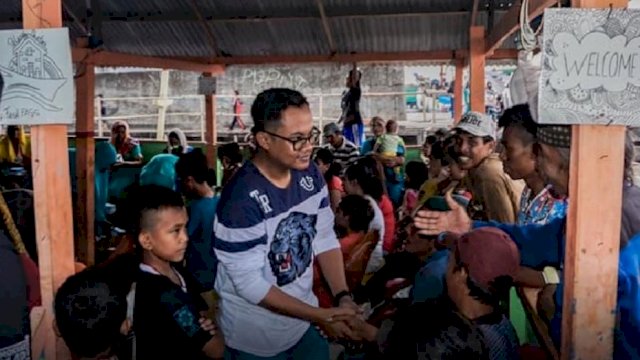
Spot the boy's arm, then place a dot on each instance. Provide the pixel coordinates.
(327, 248)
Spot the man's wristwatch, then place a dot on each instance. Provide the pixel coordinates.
(551, 275)
(339, 296)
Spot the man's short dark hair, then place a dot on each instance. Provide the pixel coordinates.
(231, 151)
(359, 211)
(431, 139)
(193, 164)
(366, 174)
(89, 313)
(519, 117)
(146, 201)
(268, 106)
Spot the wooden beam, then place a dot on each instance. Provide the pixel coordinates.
(216, 67)
(211, 39)
(52, 195)
(458, 86)
(115, 59)
(593, 234)
(476, 68)
(509, 22)
(474, 13)
(433, 55)
(593, 242)
(75, 18)
(211, 131)
(326, 27)
(154, 16)
(85, 163)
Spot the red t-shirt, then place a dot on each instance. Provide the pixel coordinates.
(320, 286)
(388, 244)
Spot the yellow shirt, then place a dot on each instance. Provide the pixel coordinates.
(427, 190)
(8, 154)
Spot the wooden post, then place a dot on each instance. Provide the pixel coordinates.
(458, 86)
(593, 235)
(85, 163)
(211, 133)
(52, 197)
(476, 68)
(163, 103)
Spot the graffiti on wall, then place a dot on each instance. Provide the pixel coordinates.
(273, 78)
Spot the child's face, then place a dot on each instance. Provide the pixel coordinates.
(456, 172)
(168, 238)
(322, 166)
(342, 220)
(173, 140)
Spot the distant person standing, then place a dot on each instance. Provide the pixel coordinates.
(353, 128)
(237, 110)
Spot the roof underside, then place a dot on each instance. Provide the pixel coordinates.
(205, 29)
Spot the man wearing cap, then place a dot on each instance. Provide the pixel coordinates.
(344, 151)
(475, 285)
(495, 195)
(542, 246)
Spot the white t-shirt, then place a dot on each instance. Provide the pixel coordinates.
(268, 237)
(376, 261)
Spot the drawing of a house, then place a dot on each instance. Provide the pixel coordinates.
(32, 74)
(30, 58)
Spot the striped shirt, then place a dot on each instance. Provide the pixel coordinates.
(267, 237)
(345, 154)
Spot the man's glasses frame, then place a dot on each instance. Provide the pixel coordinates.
(299, 142)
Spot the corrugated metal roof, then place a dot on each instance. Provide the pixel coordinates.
(274, 27)
(401, 33)
(291, 37)
(338, 7)
(154, 38)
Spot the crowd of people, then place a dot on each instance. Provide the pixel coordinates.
(307, 251)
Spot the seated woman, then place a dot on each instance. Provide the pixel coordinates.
(352, 219)
(177, 143)
(127, 148)
(331, 171)
(15, 147)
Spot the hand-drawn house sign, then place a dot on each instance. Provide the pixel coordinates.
(590, 67)
(38, 77)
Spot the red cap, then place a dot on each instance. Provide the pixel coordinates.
(488, 253)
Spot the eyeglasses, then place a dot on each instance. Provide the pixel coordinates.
(299, 142)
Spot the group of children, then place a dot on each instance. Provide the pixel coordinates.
(158, 302)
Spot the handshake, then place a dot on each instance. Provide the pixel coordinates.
(345, 322)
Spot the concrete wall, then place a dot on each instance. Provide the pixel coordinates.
(311, 79)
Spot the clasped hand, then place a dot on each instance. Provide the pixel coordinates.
(345, 322)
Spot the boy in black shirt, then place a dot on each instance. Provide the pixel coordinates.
(168, 307)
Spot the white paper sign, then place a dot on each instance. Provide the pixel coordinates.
(37, 77)
(590, 67)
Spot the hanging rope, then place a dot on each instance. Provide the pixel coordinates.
(10, 225)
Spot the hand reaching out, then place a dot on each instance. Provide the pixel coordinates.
(433, 223)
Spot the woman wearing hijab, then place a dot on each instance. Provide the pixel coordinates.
(127, 148)
(177, 143)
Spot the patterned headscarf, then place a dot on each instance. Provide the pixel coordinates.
(128, 143)
(555, 135)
